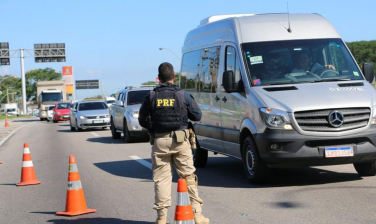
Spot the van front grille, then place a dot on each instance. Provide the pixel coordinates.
(318, 120)
(95, 117)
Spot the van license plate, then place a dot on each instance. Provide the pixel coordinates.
(339, 151)
(98, 121)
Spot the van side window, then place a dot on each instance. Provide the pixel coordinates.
(123, 97)
(190, 71)
(199, 70)
(209, 69)
(119, 97)
(232, 63)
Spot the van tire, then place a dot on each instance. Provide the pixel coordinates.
(200, 156)
(366, 169)
(127, 135)
(71, 127)
(115, 135)
(256, 171)
(77, 128)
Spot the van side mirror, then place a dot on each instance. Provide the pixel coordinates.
(228, 81)
(368, 72)
(120, 103)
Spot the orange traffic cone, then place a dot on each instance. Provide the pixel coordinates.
(183, 211)
(27, 173)
(75, 203)
(6, 121)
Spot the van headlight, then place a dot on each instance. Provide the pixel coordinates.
(373, 121)
(82, 117)
(134, 114)
(277, 119)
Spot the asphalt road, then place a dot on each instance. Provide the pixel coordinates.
(117, 181)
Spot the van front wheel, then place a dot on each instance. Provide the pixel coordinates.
(256, 171)
(366, 169)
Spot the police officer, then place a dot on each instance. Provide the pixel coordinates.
(165, 113)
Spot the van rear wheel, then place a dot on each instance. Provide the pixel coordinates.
(366, 169)
(256, 171)
(115, 135)
(200, 156)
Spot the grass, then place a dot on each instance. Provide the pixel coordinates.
(2, 117)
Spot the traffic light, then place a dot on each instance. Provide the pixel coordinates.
(49, 52)
(4, 53)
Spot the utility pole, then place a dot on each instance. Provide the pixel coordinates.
(7, 96)
(102, 91)
(23, 80)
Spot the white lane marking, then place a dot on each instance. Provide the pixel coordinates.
(95, 134)
(143, 162)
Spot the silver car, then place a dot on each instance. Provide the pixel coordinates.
(89, 114)
(124, 113)
(50, 113)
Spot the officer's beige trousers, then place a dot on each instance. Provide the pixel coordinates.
(165, 154)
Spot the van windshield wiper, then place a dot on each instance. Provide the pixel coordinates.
(331, 80)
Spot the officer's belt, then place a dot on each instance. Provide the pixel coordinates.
(169, 134)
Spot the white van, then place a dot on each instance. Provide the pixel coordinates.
(110, 100)
(10, 109)
(261, 105)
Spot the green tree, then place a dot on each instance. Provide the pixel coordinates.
(149, 83)
(33, 76)
(364, 51)
(13, 84)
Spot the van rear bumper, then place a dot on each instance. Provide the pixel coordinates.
(295, 150)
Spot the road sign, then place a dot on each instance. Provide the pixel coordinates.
(4, 54)
(87, 84)
(67, 70)
(49, 52)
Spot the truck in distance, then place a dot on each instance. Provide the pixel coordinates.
(48, 94)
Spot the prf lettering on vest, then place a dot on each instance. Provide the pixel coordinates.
(165, 102)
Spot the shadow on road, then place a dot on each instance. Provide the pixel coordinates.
(106, 140)
(126, 168)
(110, 140)
(229, 173)
(23, 120)
(97, 220)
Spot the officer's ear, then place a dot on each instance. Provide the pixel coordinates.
(174, 75)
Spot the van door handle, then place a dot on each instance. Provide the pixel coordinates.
(216, 98)
(224, 99)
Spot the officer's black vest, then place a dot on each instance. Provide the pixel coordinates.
(168, 109)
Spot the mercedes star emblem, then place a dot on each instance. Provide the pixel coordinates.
(336, 118)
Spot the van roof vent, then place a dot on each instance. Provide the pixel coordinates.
(351, 84)
(220, 17)
(283, 88)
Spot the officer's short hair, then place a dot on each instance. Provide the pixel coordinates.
(165, 72)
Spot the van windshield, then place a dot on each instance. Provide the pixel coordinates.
(137, 97)
(299, 61)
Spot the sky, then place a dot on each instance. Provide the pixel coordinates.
(118, 41)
